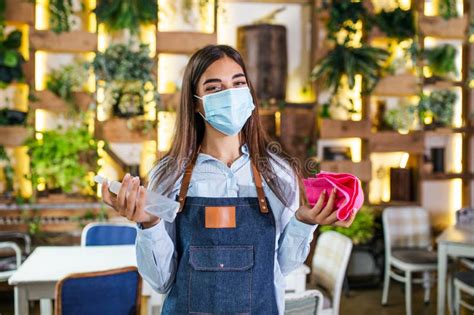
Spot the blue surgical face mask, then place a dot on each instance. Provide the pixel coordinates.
(228, 110)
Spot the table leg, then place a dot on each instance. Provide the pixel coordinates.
(442, 267)
(21, 301)
(46, 307)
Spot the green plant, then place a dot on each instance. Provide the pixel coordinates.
(6, 166)
(342, 11)
(362, 229)
(60, 18)
(126, 14)
(439, 105)
(398, 24)
(447, 9)
(11, 59)
(68, 79)
(61, 159)
(349, 61)
(401, 118)
(442, 60)
(127, 78)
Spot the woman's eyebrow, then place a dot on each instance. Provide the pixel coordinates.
(212, 80)
(238, 75)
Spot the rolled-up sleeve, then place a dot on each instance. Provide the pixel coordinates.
(156, 250)
(156, 255)
(295, 239)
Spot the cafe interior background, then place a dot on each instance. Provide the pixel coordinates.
(380, 89)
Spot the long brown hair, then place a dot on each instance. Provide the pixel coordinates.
(190, 128)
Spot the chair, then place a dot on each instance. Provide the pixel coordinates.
(97, 234)
(308, 302)
(407, 239)
(13, 256)
(114, 291)
(463, 282)
(330, 261)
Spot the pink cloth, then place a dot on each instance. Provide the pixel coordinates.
(349, 194)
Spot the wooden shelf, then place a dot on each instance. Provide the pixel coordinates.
(116, 130)
(20, 11)
(397, 85)
(331, 129)
(183, 42)
(75, 41)
(437, 26)
(363, 169)
(50, 101)
(391, 141)
(446, 176)
(394, 203)
(13, 136)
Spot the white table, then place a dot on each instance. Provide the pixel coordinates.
(454, 241)
(37, 276)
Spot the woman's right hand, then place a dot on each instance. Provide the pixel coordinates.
(130, 201)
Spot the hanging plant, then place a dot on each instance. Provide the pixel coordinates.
(398, 24)
(342, 11)
(347, 61)
(11, 59)
(447, 9)
(120, 15)
(438, 107)
(68, 79)
(127, 78)
(442, 60)
(62, 160)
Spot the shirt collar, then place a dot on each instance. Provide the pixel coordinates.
(203, 157)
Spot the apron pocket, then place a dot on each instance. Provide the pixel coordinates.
(220, 279)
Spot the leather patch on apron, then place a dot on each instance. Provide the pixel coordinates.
(220, 217)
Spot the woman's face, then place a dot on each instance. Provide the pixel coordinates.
(223, 74)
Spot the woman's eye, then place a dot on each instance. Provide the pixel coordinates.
(212, 89)
(240, 83)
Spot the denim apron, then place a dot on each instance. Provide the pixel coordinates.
(226, 252)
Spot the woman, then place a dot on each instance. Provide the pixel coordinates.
(236, 234)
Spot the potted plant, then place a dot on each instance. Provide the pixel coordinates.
(120, 15)
(7, 171)
(441, 61)
(126, 76)
(63, 15)
(68, 79)
(11, 60)
(437, 108)
(398, 24)
(402, 118)
(62, 159)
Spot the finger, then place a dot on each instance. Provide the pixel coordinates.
(348, 221)
(319, 204)
(107, 196)
(132, 197)
(332, 218)
(328, 209)
(121, 196)
(140, 204)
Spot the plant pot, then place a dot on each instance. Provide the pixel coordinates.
(9, 117)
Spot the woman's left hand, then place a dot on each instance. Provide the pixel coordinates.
(323, 215)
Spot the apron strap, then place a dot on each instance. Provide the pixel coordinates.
(185, 183)
(260, 193)
(187, 178)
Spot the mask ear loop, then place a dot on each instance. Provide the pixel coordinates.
(199, 111)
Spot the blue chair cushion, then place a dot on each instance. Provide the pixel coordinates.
(111, 235)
